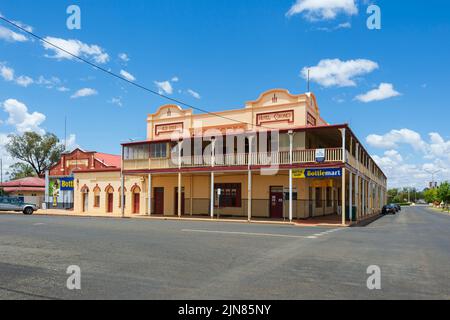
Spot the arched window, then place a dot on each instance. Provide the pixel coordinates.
(97, 196)
(109, 205)
(85, 198)
(136, 191)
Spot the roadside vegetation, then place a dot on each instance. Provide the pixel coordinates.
(439, 197)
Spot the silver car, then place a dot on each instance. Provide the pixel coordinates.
(16, 204)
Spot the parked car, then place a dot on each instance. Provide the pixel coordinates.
(17, 204)
(398, 207)
(389, 208)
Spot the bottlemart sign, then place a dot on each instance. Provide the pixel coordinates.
(317, 173)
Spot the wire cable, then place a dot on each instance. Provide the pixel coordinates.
(95, 66)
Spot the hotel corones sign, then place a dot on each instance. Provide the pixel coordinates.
(168, 128)
(279, 116)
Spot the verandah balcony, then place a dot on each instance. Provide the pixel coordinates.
(235, 159)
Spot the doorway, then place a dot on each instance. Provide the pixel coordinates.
(176, 201)
(109, 199)
(276, 202)
(136, 202)
(158, 196)
(85, 201)
(110, 203)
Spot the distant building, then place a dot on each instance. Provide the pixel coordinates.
(61, 181)
(31, 189)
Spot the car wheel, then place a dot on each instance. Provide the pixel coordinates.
(28, 211)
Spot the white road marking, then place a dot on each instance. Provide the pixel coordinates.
(38, 224)
(247, 233)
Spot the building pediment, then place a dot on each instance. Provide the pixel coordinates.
(170, 111)
(275, 97)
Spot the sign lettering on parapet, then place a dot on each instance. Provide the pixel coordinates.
(317, 173)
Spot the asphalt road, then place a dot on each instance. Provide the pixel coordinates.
(148, 259)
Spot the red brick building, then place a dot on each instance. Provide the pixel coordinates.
(60, 185)
(83, 160)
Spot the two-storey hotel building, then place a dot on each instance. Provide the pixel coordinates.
(276, 158)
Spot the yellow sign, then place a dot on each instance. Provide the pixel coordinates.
(298, 174)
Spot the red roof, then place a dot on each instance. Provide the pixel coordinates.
(25, 182)
(109, 160)
(23, 189)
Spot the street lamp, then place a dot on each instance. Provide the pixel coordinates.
(432, 175)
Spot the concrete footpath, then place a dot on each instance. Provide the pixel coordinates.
(333, 221)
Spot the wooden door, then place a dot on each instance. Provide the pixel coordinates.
(136, 202)
(158, 196)
(110, 202)
(276, 202)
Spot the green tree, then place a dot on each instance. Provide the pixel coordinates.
(443, 193)
(21, 170)
(41, 152)
(392, 194)
(430, 195)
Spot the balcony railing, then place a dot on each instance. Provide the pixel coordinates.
(237, 159)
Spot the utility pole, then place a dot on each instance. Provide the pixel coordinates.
(308, 82)
(432, 176)
(1, 173)
(65, 133)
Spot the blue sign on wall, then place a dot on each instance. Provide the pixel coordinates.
(66, 184)
(323, 173)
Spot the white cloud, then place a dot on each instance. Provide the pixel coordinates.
(75, 47)
(323, 9)
(7, 160)
(49, 83)
(63, 89)
(433, 154)
(175, 79)
(334, 72)
(6, 72)
(21, 119)
(117, 101)
(383, 92)
(164, 87)
(85, 92)
(24, 81)
(127, 75)
(345, 25)
(196, 95)
(11, 36)
(394, 138)
(124, 57)
(71, 143)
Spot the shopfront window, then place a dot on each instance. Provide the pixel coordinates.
(230, 196)
(319, 203)
(158, 150)
(329, 200)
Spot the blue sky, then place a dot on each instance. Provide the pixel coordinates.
(391, 85)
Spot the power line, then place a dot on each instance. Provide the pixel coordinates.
(95, 66)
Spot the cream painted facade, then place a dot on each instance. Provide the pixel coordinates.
(153, 170)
